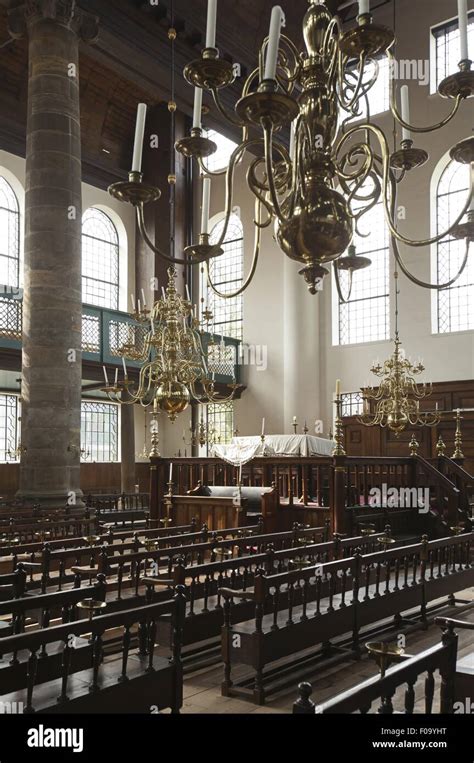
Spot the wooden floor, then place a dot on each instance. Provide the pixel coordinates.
(202, 688)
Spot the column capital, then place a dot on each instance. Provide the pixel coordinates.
(63, 12)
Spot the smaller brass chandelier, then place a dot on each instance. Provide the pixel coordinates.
(174, 369)
(203, 434)
(397, 397)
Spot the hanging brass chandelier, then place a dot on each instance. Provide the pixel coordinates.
(314, 193)
(174, 370)
(396, 399)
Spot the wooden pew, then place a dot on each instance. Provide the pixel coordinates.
(348, 594)
(361, 698)
(133, 684)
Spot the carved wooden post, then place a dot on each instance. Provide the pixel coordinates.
(338, 510)
(304, 705)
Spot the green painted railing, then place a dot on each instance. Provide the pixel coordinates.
(106, 332)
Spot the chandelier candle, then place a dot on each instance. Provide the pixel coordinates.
(105, 376)
(139, 135)
(206, 202)
(276, 23)
(197, 108)
(125, 375)
(364, 7)
(263, 427)
(462, 13)
(211, 24)
(405, 98)
(338, 388)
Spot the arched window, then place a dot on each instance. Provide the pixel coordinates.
(455, 303)
(226, 273)
(366, 317)
(100, 260)
(9, 235)
(225, 147)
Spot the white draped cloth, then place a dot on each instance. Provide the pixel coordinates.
(244, 449)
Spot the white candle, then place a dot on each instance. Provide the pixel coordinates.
(364, 7)
(197, 113)
(124, 367)
(211, 24)
(105, 376)
(139, 135)
(405, 99)
(462, 13)
(276, 23)
(240, 474)
(163, 293)
(152, 325)
(116, 376)
(293, 142)
(133, 301)
(139, 306)
(338, 387)
(294, 419)
(206, 203)
(143, 297)
(187, 293)
(171, 472)
(263, 427)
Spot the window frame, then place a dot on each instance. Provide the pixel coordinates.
(116, 245)
(93, 447)
(208, 295)
(450, 25)
(17, 213)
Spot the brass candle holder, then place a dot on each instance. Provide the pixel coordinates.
(458, 436)
(459, 85)
(408, 158)
(151, 545)
(196, 145)
(338, 449)
(367, 529)
(166, 521)
(209, 72)
(458, 529)
(91, 606)
(203, 250)
(267, 106)
(367, 39)
(91, 540)
(384, 654)
(43, 535)
(440, 447)
(134, 190)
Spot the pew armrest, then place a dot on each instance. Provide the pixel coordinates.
(229, 593)
(32, 565)
(84, 570)
(150, 581)
(461, 624)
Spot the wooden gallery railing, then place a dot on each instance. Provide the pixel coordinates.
(325, 483)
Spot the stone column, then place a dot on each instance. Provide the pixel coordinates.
(127, 441)
(52, 306)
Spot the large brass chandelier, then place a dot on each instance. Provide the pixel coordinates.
(170, 346)
(396, 399)
(314, 193)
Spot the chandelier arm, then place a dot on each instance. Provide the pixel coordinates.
(223, 111)
(338, 284)
(149, 243)
(397, 115)
(253, 267)
(424, 284)
(359, 89)
(389, 184)
(268, 142)
(333, 26)
(235, 156)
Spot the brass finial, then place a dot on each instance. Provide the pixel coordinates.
(440, 447)
(414, 446)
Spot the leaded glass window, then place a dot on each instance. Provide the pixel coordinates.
(352, 404)
(9, 236)
(9, 428)
(225, 147)
(455, 311)
(226, 273)
(99, 431)
(366, 317)
(220, 419)
(100, 260)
